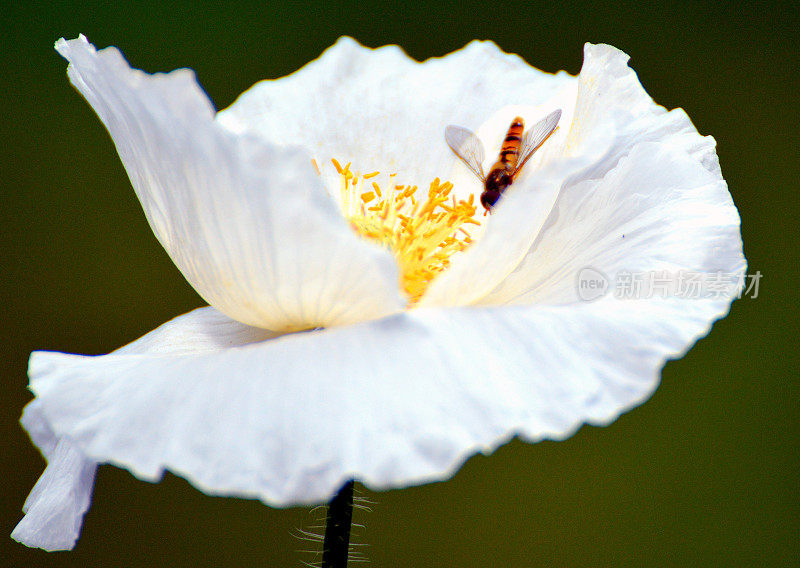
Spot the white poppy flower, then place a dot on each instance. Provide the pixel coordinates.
(329, 350)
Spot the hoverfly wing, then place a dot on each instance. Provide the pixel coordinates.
(533, 139)
(467, 147)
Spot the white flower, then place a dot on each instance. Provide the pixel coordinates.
(387, 379)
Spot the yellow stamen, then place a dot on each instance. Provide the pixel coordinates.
(421, 234)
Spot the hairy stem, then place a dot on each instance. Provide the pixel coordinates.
(336, 546)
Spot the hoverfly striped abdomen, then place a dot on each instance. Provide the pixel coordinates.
(509, 153)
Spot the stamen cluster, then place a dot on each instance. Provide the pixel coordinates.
(422, 233)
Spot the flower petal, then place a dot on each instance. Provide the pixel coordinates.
(659, 209)
(56, 505)
(611, 97)
(385, 111)
(392, 402)
(249, 224)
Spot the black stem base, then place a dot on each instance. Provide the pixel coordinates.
(336, 546)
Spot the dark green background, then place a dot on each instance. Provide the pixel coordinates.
(704, 474)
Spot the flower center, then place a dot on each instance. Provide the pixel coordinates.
(421, 230)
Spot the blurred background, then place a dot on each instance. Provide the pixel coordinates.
(703, 474)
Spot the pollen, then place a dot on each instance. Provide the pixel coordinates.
(423, 229)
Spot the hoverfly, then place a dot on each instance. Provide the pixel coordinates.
(517, 149)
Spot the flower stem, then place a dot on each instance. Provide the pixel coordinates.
(336, 546)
